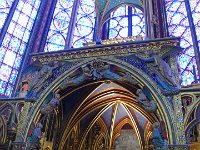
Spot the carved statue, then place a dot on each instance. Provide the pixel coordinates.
(148, 105)
(103, 71)
(163, 74)
(96, 70)
(33, 142)
(48, 108)
(40, 77)
(86, 74)
(158, 142)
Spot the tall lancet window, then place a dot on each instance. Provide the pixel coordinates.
(59, 26)
(195, 9)
(85, 21)
(126, 21)
(72, 24)
(14, 44)
(177, 18)
(5, 6)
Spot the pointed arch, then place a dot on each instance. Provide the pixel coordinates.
(162, 102)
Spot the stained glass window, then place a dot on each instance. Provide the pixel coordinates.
(85, 21)
(59, 26)
(138, 24)
(179, 26)
(195, 8)
(5, 6)
(119, 22)
(14, 43)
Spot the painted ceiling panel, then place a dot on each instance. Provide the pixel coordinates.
(107, 116)
(141, 119)
(121, 113)
(105, 87)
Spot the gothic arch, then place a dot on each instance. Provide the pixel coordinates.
(194, 122)
(142, 78)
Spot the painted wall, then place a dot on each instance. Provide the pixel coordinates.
(127, 141)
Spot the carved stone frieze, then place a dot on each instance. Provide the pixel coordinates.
(160, 46)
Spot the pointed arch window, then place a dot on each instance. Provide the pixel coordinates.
(85, 21)
(59, 26)
(178, 14)
(67, 31)
(14, 43)
(125, 21)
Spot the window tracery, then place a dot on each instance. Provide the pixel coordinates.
(15, 42)
(177, 18)
(5, 6)
(126, 21)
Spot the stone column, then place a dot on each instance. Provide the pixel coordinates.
(148, 12)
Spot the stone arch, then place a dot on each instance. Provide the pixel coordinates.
(194, 122)
(136, 73)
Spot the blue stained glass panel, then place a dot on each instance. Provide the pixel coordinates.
(2, 53)
(30, 24)
(59, 26)
(113, 33)
(5, 72)
(195, 8)
(33, 14)
(27, 10)
(2, 86)
(179, 26)
(12, 27)
(13, 76)
(123, 32)
(119, 22)
(16, 15)
(14, 43)
(5, 6)
(85, 21)
(6, 40)
(18, 62)
(26, 36)
(22, 48)
(9, 58)
(138, 23)
(9, 89)
(19, 31)
(60, 21)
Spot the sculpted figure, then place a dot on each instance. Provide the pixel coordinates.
(158, 142)
(163, 74)
(40, 77)
(164, 71)
(95, 71)
(86, 74)
(105, 72)
(149, 105)
(48, 108)
(33, 142)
